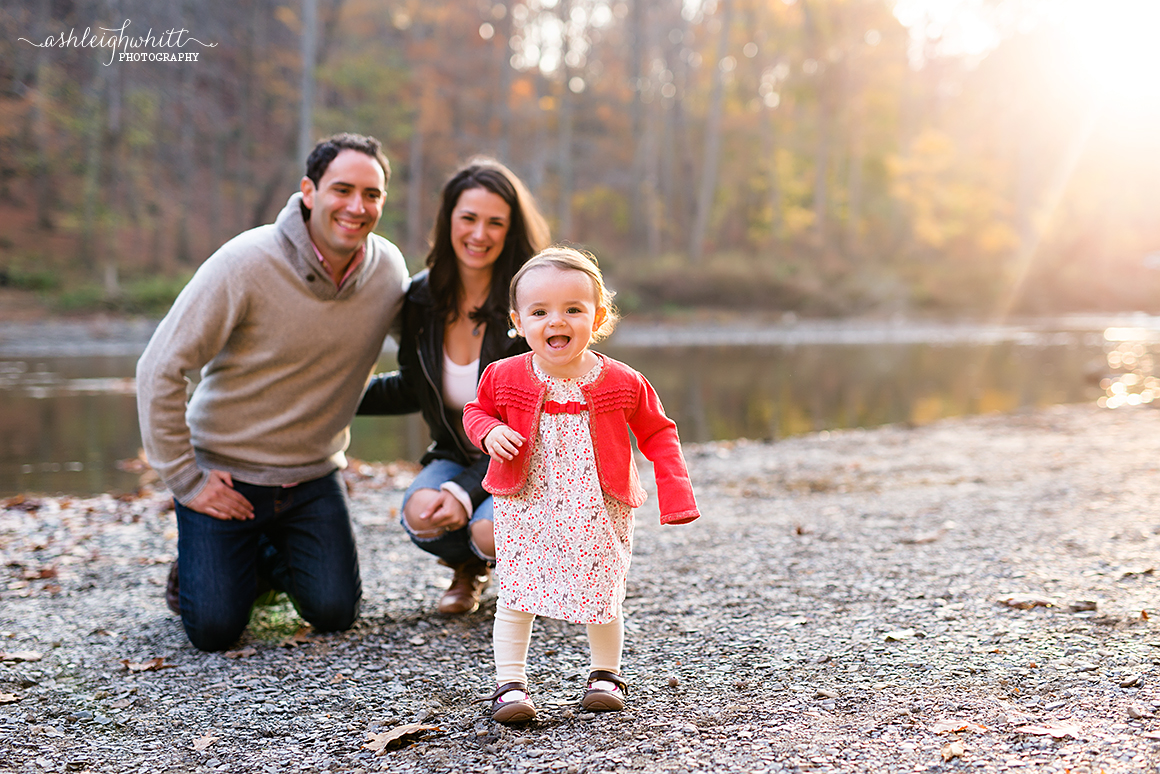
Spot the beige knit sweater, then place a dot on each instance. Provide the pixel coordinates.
(284, 357)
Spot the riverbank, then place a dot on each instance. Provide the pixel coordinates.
(974, 594)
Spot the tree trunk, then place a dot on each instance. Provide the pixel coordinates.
(188, 169)
(502, 102)
(776, 194)
(415, 191)
(641, 194)
(94, 96)
(42, 172)
(309, 58)
(712, 151)
(564, 141)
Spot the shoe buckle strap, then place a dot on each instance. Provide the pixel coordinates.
(501, 690)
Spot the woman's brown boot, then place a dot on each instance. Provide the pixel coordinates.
(462, 596)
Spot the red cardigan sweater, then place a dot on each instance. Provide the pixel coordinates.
(620, 398)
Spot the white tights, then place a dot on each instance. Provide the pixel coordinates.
(513, 632)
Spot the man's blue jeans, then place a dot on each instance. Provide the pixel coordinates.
(300, 541)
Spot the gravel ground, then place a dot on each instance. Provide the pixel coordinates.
(975, 594)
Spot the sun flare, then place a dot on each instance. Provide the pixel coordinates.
(1114, 47)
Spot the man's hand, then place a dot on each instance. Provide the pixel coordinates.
(503, 442)
(220, 500)
(445, 513)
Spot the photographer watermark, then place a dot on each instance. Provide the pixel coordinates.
(125, 47)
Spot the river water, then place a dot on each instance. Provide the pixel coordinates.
(68, 421)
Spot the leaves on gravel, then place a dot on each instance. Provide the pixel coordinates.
(953, 750)
(241, 653)
(1058, 730)
(8, 698)
(149, 665)
(381, 742)
(299, 637)
(204, 742)
(1025, 601)
(20, 655)
(948, 726)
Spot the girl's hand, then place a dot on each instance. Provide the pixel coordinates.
(503, 443)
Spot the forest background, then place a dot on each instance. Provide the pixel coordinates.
(826, 157)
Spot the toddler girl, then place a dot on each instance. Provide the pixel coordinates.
(555, 422)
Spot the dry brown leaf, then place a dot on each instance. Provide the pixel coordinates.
(121, 703)
(956, 726)
(924, 538)
(149, 665)
(204, 742)
(8, 698)
(298, 638)
(379, 743)
(20, 655)
(1057, 730)
(953, 750)
(241, 653)
(1025, 601)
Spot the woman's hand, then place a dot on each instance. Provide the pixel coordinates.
(503, 442)
(445, 513)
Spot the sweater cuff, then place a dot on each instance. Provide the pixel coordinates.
(680, 517)
(460, 494)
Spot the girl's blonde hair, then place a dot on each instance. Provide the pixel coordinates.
(571, 259)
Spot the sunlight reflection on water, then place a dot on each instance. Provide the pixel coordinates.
(1131, 360)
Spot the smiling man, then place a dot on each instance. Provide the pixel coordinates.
(285, 323)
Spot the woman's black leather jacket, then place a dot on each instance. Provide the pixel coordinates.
(418, 383)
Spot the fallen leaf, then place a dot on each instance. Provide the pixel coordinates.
(121, 703)
(956, 726)
(900, 634)
(953, 750)
(1025, 601)
(8, 698)
(20, 655)
(924, 538)
(380, 742)
(298, 638)
(1056, 730)
(204, 742)
(150, 665)
(241, 653)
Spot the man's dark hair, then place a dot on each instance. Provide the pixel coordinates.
(325, 151)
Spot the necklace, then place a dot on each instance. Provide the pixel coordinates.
(475, 330)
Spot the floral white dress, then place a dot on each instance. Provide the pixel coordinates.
(562, 545)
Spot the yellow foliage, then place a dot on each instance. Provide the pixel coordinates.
(797, 220)
(954, 199)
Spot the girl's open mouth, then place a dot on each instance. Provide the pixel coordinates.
(558, 342)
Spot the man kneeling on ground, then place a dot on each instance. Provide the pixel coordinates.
(285, 323)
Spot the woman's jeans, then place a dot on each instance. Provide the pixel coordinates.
(454, 548)
(300, 541)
